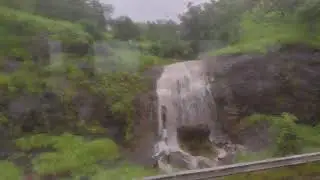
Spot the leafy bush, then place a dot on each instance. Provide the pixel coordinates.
(77, 157)
(35, 142)
(9, 171)
(288, 139)
(292, 138)
(72, 154)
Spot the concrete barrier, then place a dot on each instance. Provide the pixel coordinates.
(210, 173)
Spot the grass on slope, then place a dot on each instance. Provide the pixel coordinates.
(270, 32)
(25, 23)
(18, 28)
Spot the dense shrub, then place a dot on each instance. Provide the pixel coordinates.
(71, 154)
(9, 171)
(288, 140)
(292, 138)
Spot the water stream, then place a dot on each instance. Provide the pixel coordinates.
(183, 89)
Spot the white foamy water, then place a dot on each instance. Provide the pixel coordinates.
(183, 89)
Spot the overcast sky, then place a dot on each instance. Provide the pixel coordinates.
(142, 10)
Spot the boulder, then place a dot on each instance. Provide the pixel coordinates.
(284, 81)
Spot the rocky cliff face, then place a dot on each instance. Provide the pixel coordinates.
(241, 85)
(283, 81)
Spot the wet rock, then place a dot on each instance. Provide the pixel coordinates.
(205, 162)
(179, 160)
(286, 80)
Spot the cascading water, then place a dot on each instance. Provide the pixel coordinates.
(183, 89)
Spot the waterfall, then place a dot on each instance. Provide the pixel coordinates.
(183, 89)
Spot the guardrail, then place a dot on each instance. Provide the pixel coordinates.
(211, 173)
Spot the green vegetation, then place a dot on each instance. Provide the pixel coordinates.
(101, 64)
(29, 24)
(9, 171)
(262, 32)
(117, 87)
(76, 156)
(19, 28)
(247, 26)
(24, 37)
(294, 172)
(254, 156)
(292, 138)
(126, 172)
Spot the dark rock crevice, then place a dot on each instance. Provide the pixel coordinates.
(195, 140)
